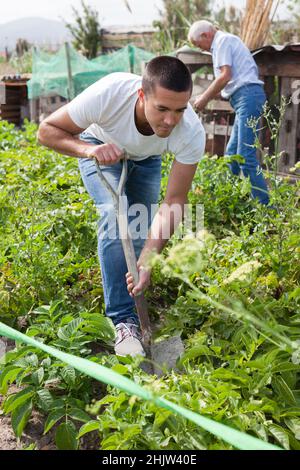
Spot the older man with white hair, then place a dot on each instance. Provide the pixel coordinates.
(236, 77)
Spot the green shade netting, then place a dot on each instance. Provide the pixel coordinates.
(50, 71)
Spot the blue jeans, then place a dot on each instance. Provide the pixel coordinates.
(142, 187)
(247, 102)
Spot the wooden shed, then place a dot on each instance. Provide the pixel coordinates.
(117, 37)
(14, 105)
(279, 68)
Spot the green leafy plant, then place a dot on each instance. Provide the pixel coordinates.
(231, 291)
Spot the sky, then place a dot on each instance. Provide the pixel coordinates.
(111, 12)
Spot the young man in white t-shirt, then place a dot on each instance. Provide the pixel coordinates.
(144, 116)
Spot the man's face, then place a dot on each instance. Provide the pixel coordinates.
(164, 108)
(203, 42)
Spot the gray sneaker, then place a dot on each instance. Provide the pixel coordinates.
(128, 340)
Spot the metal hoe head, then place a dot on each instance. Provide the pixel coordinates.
(165, 354)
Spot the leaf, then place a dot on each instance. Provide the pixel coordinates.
(113, 442)
(79, 415)
(20, 417)
(99, 326)
(283, 390)
(46, 399)
(226, 374)
(69, 375)
(195, 441)
(160, 417)
(280, 435)
(30, 447)
(285, 367)
(294, 443)
(291, 412)
(8, 375)
(65, 437)
(29, 361)
(131, 431)
(88, 427)
(196, 351)
(42, 310)
(14, 401)
(58, 403)
(67, 331)
(13, 355)
(74, 403)
(121, 398)
(33, 331)
(53, 418)
(54, 305)
(46, 362)
(120, 369)
(38, 376)
(295, 294)
(294, 425)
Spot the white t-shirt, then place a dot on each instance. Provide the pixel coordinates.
(228, 49)
(106, 110)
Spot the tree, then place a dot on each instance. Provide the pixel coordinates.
(229, 19)
(86, 31)
(287, 30)
(177, 17)
(22, 46)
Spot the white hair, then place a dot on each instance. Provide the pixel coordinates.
(198, 28)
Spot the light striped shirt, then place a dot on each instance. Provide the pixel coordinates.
(228, 49)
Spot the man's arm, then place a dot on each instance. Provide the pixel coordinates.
(165, 221)
(60, 133)
(214, 88)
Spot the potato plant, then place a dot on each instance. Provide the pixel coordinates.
(231, 290)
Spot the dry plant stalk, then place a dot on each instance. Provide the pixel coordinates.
(257, 20)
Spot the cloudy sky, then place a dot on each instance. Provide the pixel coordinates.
(111, 12)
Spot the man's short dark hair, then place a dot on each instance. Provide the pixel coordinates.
(167, 72)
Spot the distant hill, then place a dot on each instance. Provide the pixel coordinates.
(38, 31)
